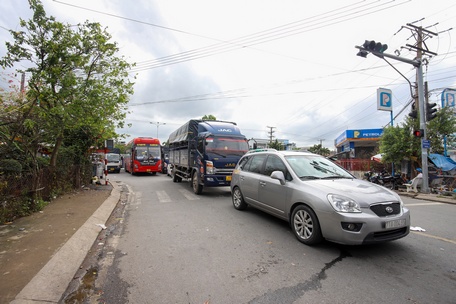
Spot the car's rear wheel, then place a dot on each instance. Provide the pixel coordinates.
(238, 199)
(305, 225)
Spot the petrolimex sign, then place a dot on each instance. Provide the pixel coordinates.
(365, 133)
(360, 134)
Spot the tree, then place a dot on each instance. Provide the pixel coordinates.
(441, 127)
(276, 145)
(18, 131)
(398, 143)
(77, 83)
(209, 117)
(319, 149)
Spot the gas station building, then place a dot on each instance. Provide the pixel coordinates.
(360, 143)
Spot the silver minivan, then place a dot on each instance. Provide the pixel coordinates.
(319, 199)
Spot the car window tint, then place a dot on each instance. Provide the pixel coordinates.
(273, 163)
(256, 163)
(244, 163)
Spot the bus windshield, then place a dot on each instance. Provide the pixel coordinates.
(144, 153)
(226, 146)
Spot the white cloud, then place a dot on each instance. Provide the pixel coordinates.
(297, 69)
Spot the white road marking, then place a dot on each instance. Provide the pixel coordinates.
(189, 195)
(163, 197)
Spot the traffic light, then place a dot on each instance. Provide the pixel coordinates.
(376, 48)
(430, 111)
(418, 133)
(414, 112)
(371, 45)
(362, 53)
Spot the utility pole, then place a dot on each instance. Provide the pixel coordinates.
(421, 35)
(271, 132)
(378, 49)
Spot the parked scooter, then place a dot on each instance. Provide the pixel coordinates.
(385, 179)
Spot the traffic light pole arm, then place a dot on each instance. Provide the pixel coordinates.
(415, 63)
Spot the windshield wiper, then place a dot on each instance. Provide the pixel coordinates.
(216, 153)
(336, 176)
(309, 177)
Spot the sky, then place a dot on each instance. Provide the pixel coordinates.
(284, 69)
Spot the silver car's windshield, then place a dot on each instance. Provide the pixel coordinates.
(315, 167)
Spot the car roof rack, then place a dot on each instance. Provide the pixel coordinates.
(261, 150)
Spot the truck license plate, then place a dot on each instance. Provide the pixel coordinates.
(228, 178)
(395, 223)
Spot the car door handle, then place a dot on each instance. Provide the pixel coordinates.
(262, 184)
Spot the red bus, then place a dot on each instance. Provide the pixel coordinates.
(144, 156)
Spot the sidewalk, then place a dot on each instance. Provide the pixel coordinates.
(40, 253)
(429, 196)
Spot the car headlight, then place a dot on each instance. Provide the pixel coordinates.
(343, 204)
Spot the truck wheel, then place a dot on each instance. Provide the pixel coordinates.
(197, 188)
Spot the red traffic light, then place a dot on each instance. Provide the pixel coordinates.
(418, 133)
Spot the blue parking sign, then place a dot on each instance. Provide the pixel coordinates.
(384, 99)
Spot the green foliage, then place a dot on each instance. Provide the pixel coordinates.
(76, 79)
(76, 96)
(19, 207)
(276, 145)
(319, 149)
(10, 166)
(443, 125)
(398, 143)
(209, 117)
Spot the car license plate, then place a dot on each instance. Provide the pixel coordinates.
(228, 178)
(395, 223)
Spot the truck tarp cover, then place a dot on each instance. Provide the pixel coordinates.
(184, 133)
(194, 127)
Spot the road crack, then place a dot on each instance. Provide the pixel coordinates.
(291, 294)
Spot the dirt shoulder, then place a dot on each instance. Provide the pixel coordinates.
(29, 243)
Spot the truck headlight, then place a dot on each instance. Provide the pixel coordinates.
(343, 204)
(210, 167)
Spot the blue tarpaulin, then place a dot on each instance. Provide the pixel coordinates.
(442, 162)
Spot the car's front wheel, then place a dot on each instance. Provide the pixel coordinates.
(305, 225)
(238, 199)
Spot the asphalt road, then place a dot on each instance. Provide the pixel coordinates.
(173, 246)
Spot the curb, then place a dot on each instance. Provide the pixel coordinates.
(50, 283)
(429, 197)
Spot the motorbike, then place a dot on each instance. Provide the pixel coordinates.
(385, 179)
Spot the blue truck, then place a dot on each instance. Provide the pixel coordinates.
(205, 152)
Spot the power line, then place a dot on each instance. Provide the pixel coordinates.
(335, 16)
(280, 32)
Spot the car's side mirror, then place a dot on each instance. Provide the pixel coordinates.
(279, 176)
